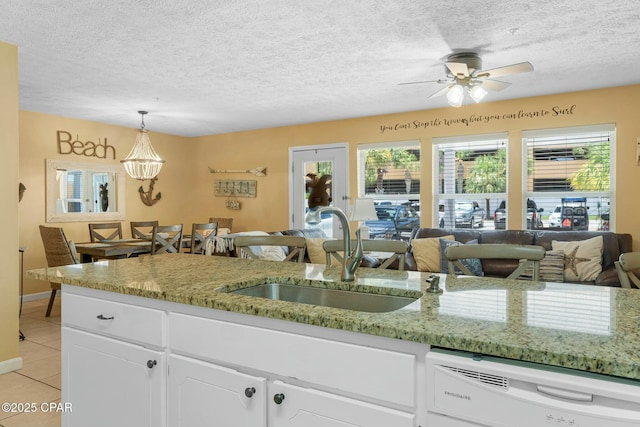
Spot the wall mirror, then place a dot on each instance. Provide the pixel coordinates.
(80, 191)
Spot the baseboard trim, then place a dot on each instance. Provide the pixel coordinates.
(10, 365)
(35, 297)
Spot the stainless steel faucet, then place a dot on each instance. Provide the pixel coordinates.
(351, 260)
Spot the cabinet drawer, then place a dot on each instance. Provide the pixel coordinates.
(366, 371)
(125, 321)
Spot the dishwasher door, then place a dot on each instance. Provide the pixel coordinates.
(469, 390)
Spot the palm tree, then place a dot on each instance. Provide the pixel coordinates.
(488, 175)
(593, 175)
(399, 158)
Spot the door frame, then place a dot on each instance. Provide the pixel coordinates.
(342, 204)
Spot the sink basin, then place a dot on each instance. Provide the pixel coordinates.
(350, 300)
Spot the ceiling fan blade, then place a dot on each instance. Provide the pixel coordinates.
(458, 68)
(495, 85)
(522, 67)
(441, 91)
(416, 83)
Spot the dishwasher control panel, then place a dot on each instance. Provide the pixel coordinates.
(469, 390)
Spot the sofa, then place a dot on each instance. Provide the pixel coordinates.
(613, 244)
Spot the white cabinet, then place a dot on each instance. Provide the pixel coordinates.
(110, 382)
(292, 406)
(204, 394)
(130, 361)
(113, 363)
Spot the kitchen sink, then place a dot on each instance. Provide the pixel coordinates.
(336, 298)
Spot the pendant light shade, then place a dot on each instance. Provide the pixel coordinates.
(142, 162)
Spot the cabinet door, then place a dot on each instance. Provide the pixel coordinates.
(203, 394)
(301, 407)
(110, 382)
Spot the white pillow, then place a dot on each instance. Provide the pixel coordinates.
(582, 258)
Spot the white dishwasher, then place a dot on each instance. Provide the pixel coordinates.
(465, 390)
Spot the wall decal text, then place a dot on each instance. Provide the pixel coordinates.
(87, 149)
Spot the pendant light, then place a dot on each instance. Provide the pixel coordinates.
(142, 162)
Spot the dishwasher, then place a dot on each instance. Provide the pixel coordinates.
(469, 390)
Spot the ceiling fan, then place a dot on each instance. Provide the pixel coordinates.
(464, 71)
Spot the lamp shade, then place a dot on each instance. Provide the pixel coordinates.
(363, 210)
(142, 162)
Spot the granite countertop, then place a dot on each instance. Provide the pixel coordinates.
(589, 328)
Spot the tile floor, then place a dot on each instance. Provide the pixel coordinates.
(39, 379)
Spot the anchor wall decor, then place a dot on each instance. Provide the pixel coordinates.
(147, 196)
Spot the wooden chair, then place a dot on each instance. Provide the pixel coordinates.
(397, 248)
(99, 232)
(143, 229)
(528, 255)
(297, 245)
(167, 239)
(222, 222)
(201, 235)
(627, 266)
(59, 251)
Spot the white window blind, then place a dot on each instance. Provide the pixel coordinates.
(470, 170)
(389, 170)
(572, 164)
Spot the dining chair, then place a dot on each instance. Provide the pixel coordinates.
(628, 266)
(201, 235)
(167, 239)
(99, 232)
(143, 229)
(529, 257)
(396, 248)
(222, 222)
(58, 251)
(296, 246)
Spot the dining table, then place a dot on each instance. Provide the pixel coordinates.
(112, 249)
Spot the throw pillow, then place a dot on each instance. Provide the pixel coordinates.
(473, 264)
(315, 251)
(582, 258)
(551, 267)
(426, 252)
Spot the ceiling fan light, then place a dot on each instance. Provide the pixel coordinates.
(477, 93)
(455, 96)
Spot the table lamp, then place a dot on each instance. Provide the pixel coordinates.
(363, 210)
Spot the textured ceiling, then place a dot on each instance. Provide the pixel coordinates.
(208, 67)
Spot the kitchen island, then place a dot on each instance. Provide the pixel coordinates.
(585, 328)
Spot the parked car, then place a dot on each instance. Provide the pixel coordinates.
(394, 222)
(534, 220)
(469, 214)
(575, 213)
(554, 218)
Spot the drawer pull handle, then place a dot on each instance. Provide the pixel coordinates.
(151, 363)
(249, 391)
(278, 398)
(101, 317)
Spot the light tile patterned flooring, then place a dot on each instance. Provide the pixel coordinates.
(39, 379)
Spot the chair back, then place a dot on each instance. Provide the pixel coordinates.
(167, 239)
(397, 249)
(201, 234)
(297, 245)
(99, 232)
(222, 222)
(529, 256)
(143, 229)
(58, 250)
(626, 267)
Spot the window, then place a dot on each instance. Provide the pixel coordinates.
(570, 176)
(389, 173)
(470, 177)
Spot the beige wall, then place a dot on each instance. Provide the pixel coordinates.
(187, 185)
(9, 261)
